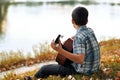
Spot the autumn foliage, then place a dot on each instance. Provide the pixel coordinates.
(109, 68)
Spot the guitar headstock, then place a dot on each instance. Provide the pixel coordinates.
(58, 39)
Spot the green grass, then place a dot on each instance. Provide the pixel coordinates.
(110, 60)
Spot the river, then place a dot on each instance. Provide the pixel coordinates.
(27, 26)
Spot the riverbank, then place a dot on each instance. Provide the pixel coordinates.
(25, 69)
(15, 59)
(109, 68)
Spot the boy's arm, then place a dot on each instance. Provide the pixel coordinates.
(78, 58)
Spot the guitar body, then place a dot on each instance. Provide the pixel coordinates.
(62, 60)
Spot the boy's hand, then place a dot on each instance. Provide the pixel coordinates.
(57, 47)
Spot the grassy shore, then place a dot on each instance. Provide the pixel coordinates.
(14, 59)
(109, 68)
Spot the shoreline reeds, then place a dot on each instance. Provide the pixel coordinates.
(15, 59)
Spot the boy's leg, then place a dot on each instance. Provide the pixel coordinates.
(54, 69)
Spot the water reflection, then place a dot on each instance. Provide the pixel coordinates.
(4, 4)
(3, 12)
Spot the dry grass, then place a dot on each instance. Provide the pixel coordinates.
(11, 60)
(109, 69)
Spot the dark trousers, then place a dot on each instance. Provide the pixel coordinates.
(55, 69)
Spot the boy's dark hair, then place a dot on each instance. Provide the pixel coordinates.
(80, 15)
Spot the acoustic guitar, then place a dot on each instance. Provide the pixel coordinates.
(62, 60)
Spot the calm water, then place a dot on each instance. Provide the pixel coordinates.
(27, 26)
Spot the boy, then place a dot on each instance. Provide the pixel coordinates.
(86, 51)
